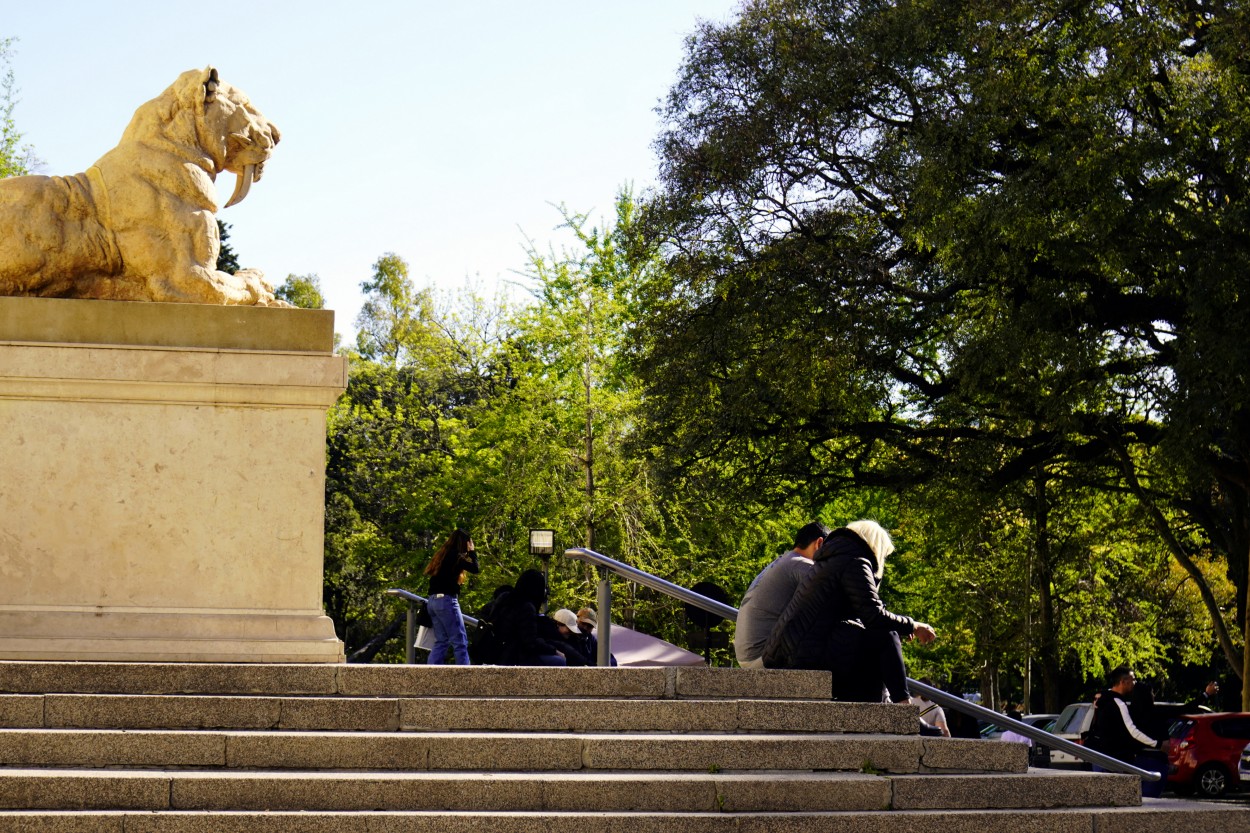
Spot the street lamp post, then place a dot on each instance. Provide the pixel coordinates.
(543, 546)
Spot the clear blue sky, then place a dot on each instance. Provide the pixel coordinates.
(440, 131)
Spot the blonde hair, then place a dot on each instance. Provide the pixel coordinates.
(877, 539)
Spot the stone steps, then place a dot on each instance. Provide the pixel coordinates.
(174, 748)
(501, 752)
(653, 791)
(489, 681)
(1155, 816)
(385, 714)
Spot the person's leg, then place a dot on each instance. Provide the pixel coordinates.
(551, 660)
(877, 667)
(442, 637)
(456, 633)
(843, 657)
(891, 668)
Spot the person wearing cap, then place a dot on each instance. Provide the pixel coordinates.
(771, 591)
(560, 628)
(587, 622)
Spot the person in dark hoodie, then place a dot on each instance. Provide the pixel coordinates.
(837, 622)
(516, 626)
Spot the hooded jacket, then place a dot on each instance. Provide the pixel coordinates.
(514, 621)
(832, 608)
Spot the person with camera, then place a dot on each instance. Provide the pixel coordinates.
(447, 571)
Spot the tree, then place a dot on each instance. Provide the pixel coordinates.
(227, 259)
(15, 159)
(394, 473)
(1013, 226)
(303, 291)
(394, 325)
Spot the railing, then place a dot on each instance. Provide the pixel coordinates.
(607, 566)
(410, 633)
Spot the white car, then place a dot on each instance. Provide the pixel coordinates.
(1071, 724)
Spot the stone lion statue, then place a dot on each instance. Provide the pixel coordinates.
(140, 223)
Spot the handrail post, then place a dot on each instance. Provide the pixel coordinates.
(410, 640)
(604, 601)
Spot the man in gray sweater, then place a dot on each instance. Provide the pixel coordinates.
(770, 592)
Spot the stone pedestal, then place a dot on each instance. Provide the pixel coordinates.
(162, 484)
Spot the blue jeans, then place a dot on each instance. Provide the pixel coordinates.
(448, 630)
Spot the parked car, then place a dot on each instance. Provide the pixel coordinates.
(1207, 751)
(1072, 724)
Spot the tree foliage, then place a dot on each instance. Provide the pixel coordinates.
(303, 291)
(227, 258)
(15, 158)
(918, 241)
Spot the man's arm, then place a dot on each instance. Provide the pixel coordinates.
(1137, 734)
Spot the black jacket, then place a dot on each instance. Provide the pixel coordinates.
(515, 622)
(1110, 735)
(837, 598)
(447, 579)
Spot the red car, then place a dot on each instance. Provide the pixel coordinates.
(1205, 753)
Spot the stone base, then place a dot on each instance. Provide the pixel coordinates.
(162, 492)
(112, 635)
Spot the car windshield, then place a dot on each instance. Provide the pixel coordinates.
(1070, 720)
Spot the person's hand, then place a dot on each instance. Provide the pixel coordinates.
(470, 545)
(923, 633)
(1212, 689)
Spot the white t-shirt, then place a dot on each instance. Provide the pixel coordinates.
(931, 713)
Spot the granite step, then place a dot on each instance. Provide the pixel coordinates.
(19, 677)
(503, 751)
(477, 792)
(381, 714)
(1157, 816)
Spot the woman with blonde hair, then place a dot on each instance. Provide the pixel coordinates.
(837, 622)
(447, 570)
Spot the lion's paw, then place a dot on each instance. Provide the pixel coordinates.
(256, 290)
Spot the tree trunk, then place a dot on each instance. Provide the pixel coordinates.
(1047, 627)
(1236, 659)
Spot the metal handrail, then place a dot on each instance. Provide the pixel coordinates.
(410, 634)
(654, 582)
(942, 698)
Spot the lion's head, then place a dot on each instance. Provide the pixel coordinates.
(230, 130)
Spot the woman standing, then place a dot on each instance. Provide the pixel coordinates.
(447, 570)
(836, 622)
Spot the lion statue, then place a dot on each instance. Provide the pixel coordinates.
(140, 223)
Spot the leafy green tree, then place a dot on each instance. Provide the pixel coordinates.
(395, 324)
(227, 259)
(1014, 227)
(550, 449)
(303, 291)
(15, 158)
(394, 481)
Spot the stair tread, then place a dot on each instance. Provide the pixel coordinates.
(1165, 817)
